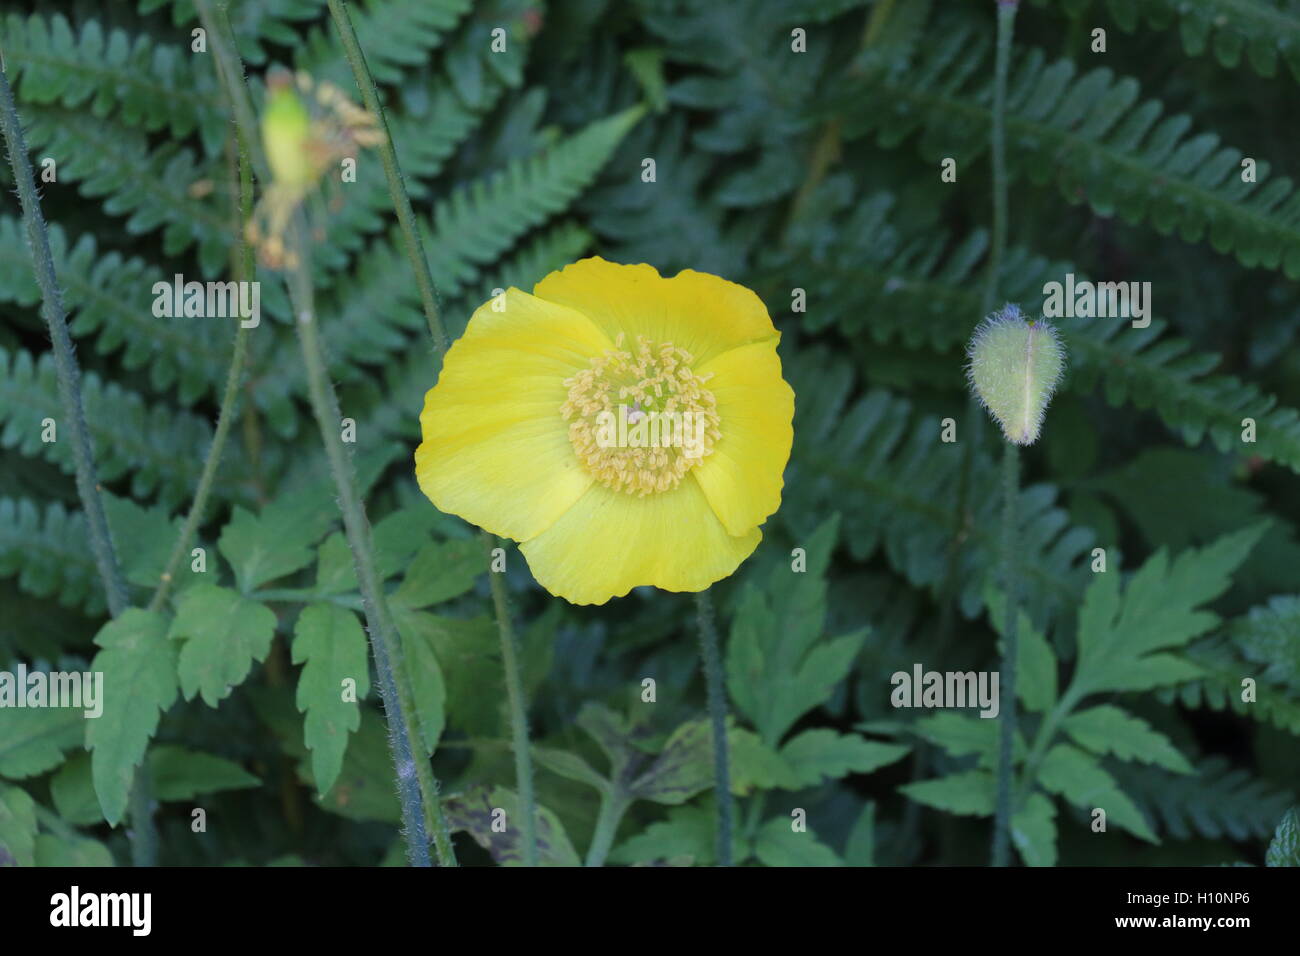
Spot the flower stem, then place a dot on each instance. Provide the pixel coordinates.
(65, 362)
(518, 707)
(1006, 26)
(417, 788)
(245, 272)
(612, 808)
(396, 185)
(143, 837)
(711, 655)
(1010, 636)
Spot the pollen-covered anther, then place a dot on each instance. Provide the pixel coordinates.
(640, 419)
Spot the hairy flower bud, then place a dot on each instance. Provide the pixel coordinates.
(1015, 365)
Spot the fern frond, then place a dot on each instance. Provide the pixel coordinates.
(395, 34)
(108, 296)
(1092, 136)
(162, 450)
(254, 22)
(1264, 30)
(904, 483)
(1220, 801)
(1220, 686)
(45, 547)
(924, 291)
(50, 62)
(152, 189)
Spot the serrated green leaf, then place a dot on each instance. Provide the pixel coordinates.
(1075, 775)
(1122, 643)
(779, 844)
(570, 766)
(139, 665)
(1284, 850)
(492, 818)
(1108, 729)
(34, 739)
(223, 633)
(76, 852)
(330, 644)
(682, 769)
(1033, 831)
(815, 755)
(441, 571)
(967, 794)
(276, 542)
(17, 827)
(860, 850)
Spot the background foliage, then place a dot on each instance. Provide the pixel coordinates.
(781, 170)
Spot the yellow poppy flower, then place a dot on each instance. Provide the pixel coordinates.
(627, 429)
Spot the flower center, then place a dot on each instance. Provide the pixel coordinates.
(640, 419)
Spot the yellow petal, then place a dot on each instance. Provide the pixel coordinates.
(496, 449)
(702, 313)
(610, 542)
(743, 477)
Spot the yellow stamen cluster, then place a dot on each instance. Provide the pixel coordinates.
(652, 381)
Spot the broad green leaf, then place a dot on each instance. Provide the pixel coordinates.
(753, 763)
(267, 546)
(425, 639)
(77, 852)
(139, 665)
(400, 535)
(779, 844)
(224, 633)
(181, 774)
(330, 644)
(570, 766)
(688, 833)
(1284, 850)
(1076, 776)
(1033, 831)
(73, 792)
(968, 794)
(17, 827)
(336, 572)
(144, 538)
(962, 734)
(816, 755)
(860, 850)
(492, 818)
(682, 769)
(441, 571)
(611, 733)
(1120, 640)
(1036, 666)
(34, 739)
(778, 664)
(1108, 729)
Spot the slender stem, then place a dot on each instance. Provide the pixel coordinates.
(711, 655)
(518, 707)
(144, 835)
(1006, 25)
(1010, 637)
(396, 185)
(143, 838)
(245, 272)
(417, 789)
(65, 362)
(612, 808)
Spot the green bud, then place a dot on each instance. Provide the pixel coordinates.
(1014, 367)
(286, 131)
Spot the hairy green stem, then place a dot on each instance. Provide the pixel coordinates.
(65, 362)
(613, 806)
(143, 837)
(414, 245)
(417, 788)
(518, 706)
(711, 655)
(1006, 25)
(396, 185)
(1010, 635)
(246, 272)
